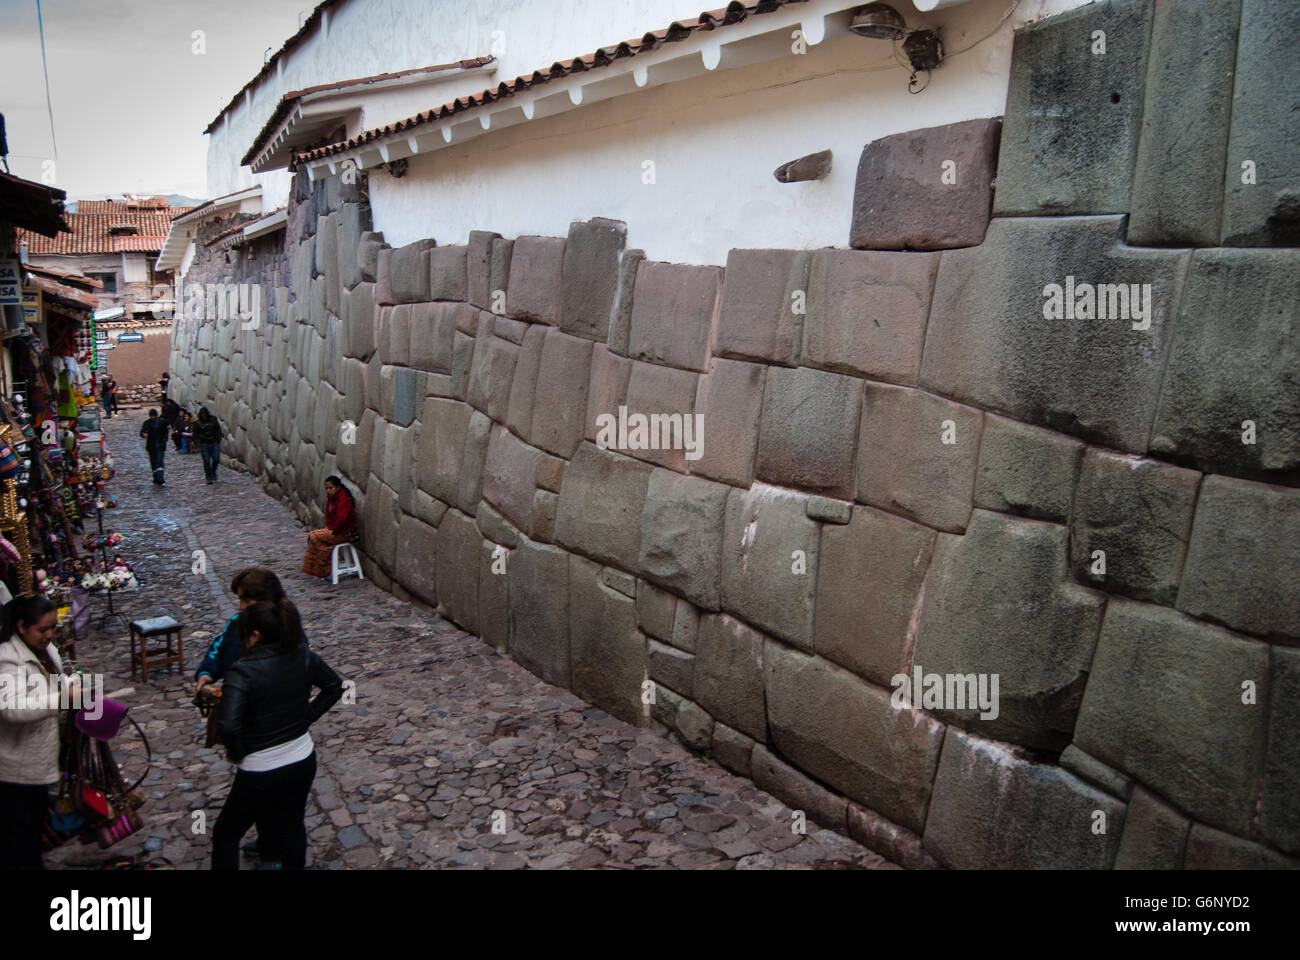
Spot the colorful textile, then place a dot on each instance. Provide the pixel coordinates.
(320, 544)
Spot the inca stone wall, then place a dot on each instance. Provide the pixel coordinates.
(917, 457)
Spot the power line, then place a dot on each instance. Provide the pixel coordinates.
(40, 22)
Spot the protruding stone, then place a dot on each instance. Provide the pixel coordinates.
(536, 266)
(616, 579)
(409, 273)
(828, 510)
(550, 472)
(673, 311)
(358, 307)
(1026, 470)
(589, 281)
(808, 435)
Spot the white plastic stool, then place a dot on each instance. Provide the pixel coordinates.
(351, 565)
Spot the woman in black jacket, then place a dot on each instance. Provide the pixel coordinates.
(266, 710)
(207, 434)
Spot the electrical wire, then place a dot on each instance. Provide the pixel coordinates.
(49, 106)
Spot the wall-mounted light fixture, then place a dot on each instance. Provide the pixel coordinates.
(880, 21)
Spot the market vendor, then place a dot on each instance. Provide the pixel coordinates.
(340, 521)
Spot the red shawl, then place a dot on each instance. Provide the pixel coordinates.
(339, 513)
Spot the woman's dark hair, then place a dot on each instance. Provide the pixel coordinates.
(25, 610)
(338, 482)
(203, 413)
(277, 623)
(257, 583)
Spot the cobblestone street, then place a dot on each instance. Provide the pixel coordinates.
(444, 730)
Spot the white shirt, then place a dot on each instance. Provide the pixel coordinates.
(281, 755)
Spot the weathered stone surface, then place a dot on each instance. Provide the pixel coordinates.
(494, 594)
(681, 536)
(685, 626)
(620, 316)
(608, 654)
(368, 250)
(417, 551)
(673, 667)
(809, 430)
(426, 508)
(608, 388)
(478, 267)
(1243, 557)
(673, 311)
(831, 511)
(917, 455)
(666, 398)
(1104, 777)
(1177, 192)
(448, 275)
(845, 732)
(1153, 669)
(811, 166)
(767, 536)
(1265, 129)
(550, 472)
(1097, 379)
(600, 506)
(409, 273)
(981, 787)
(470, 487)
(379, 523)
(1280, 815)
(1154, 835)
(787, 784)
(523, 388)
(616, 579)
(589, 277)
(730, 400)
(508, 476)
(1234, 360)
(536, 266)
(729, 673)
(499, 273)
(867, 312)
(1073, 115)
(539, 610)
(1138, 513)
(492, 525)
(997, 602)
(757, 320)
(358, 307)
(433, 333)
(868, 586)
(354, 223)
(457, 568)
(928, 189)
(442, 446)
(888, 839)
(491, 372)
(665, 707)
(1026, 470)
(560, 399)
(655, 609)
(732, 749)
(408, 394)
(541, 522)
(327, 260)
(1209, 849)
(462, 362)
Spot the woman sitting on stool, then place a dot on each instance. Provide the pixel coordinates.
(340, 521)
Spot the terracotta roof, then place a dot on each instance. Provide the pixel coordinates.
(186, 211)
(90, 232)
(734, 12)
(130, 204)
(308, 25)
(31, 206)
(68, 294)
(285, 106)
(71, 276)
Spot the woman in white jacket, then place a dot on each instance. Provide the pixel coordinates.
(29, 728)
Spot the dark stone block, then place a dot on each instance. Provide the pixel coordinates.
(589, 281)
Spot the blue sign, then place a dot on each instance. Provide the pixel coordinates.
(130, 337)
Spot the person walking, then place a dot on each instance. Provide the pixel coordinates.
(154, 433)
(163, 384)
(113, 393)
(106, 396)
(29, 728)
(340, 521)
(266, 713)
(207, 434)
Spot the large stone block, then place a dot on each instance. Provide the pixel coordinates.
(1178, 192)
(589, 276)
(730, 401)
(379, 523)
(655, 609)
(1155, 669)
(433, 336)
(491, 372)
(457, 569)
(523, 387)
(729, 674)
(1154, 837)
(539, 610)
(1280, 813)
(1210, 849)
(1243, 557)
(674, 307)
(809, 430)
(867, 312)
(665, 397)
(470, 487)
(769, 562)
(917, 455)
(354, 222)
(1026, 470)
(358, 306)
(448, 276)
(997, 603)
(1265, 129)
(601, 502)
(1073, 114)
(1093, 378)
(417, 552)
(671, 667)
(993, 810)
(442, 445)
(536, 269)
(560, 398)
(787, 784)
(478, 268)
(928, 189)
(1138, 513)
(608, 653)
(1234, 359)
(868, 588)
(409, 272)
(620, 316)
(608, 388)
(508, 476)
(494, 595)
(757, 318)
(845, 733)
(681, 536)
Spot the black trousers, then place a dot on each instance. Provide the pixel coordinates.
(156, 463)
(23, 809)
(277, 802)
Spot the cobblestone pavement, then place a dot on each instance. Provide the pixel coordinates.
(444, 731)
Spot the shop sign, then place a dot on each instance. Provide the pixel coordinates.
(130, 338)
(11, 282)
(33, 304)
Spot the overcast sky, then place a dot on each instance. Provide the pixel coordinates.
(130, 95)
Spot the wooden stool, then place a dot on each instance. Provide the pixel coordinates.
(142, 630)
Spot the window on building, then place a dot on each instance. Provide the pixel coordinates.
(108, 279)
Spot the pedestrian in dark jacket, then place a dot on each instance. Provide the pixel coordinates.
(154, 432)
(266, 712)
(250, 585)
(207, 434)
(164, 383)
